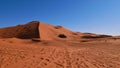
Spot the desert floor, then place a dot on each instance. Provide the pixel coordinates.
(17, 53)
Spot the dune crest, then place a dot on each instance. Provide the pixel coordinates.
(36, 29)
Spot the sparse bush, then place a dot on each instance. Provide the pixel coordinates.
(62, 36)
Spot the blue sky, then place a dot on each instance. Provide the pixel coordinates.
(96, 16)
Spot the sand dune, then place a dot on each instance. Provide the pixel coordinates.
(36, 29)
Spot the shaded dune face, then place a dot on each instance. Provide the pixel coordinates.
(26, 31)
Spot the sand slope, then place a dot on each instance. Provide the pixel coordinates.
(17, 53)
(49, 32)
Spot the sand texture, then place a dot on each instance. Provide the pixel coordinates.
(38, 45)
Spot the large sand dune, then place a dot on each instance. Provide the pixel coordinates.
(36, 29)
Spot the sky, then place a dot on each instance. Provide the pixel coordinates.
(93, 16)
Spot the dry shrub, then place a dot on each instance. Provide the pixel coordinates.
(62, 36)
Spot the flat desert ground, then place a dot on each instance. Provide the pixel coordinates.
(24, 53)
